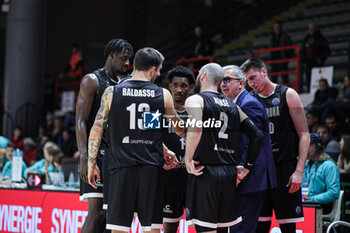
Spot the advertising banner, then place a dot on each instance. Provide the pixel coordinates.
(62, 212)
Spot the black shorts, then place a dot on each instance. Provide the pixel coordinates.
(175, 184)
(86, 190)
(211, 197)
(106, 177)
(135, 190)
(287, 206)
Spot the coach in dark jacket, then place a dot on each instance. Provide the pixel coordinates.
(251, 190)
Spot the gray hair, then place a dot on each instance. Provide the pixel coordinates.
(239, 74)
(214, 72)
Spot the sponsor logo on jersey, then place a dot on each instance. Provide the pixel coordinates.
(127, 140)
(225, 150)
(167, 209)
(276, 101)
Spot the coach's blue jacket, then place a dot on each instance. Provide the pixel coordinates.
(263, 174)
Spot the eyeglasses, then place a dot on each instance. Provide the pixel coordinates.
(226, 80)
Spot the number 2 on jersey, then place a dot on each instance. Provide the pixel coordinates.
(222, 134)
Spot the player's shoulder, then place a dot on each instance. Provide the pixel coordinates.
(89, 80)
(194, 100)
(166, 91)
(194, 97)
(292, 98)
(109, 90)
(90, 77)
(291, 91)
(89, 85)
(125, 79)
(166, 94)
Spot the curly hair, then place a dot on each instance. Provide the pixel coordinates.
(181, 71)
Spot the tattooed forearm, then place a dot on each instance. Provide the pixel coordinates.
(109, 92)
(98, 125)
(95, 140)
(99, 117)
(93, 149)
(96, 131)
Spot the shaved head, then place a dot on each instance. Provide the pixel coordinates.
(214, 73)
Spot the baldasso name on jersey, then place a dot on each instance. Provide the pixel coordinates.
(138, 93)
(221, 102)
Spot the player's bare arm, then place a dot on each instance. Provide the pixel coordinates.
(96, 135)
(88, 88)
(296, 111)
(194, 108)
(171, 113)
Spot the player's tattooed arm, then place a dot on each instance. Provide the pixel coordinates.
(96, 135)
(101, 120)
(92, 150)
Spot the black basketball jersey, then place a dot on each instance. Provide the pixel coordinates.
(135, 124)
(174, 142)
(219, 142)
(103, 82)
(284, 138)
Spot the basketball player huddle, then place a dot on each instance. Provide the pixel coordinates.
(148, 151)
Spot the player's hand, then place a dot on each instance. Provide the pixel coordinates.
(83, 168)
(295, 182)
(170, 159)
(93, 174)
(193, 167)
(242, 172)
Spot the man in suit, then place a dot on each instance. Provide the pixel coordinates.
(252, 188)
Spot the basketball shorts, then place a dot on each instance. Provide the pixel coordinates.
(106, 177)
(174, 183)
(287, 206)
(135, 190)
(211, 197)
(86, 190)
